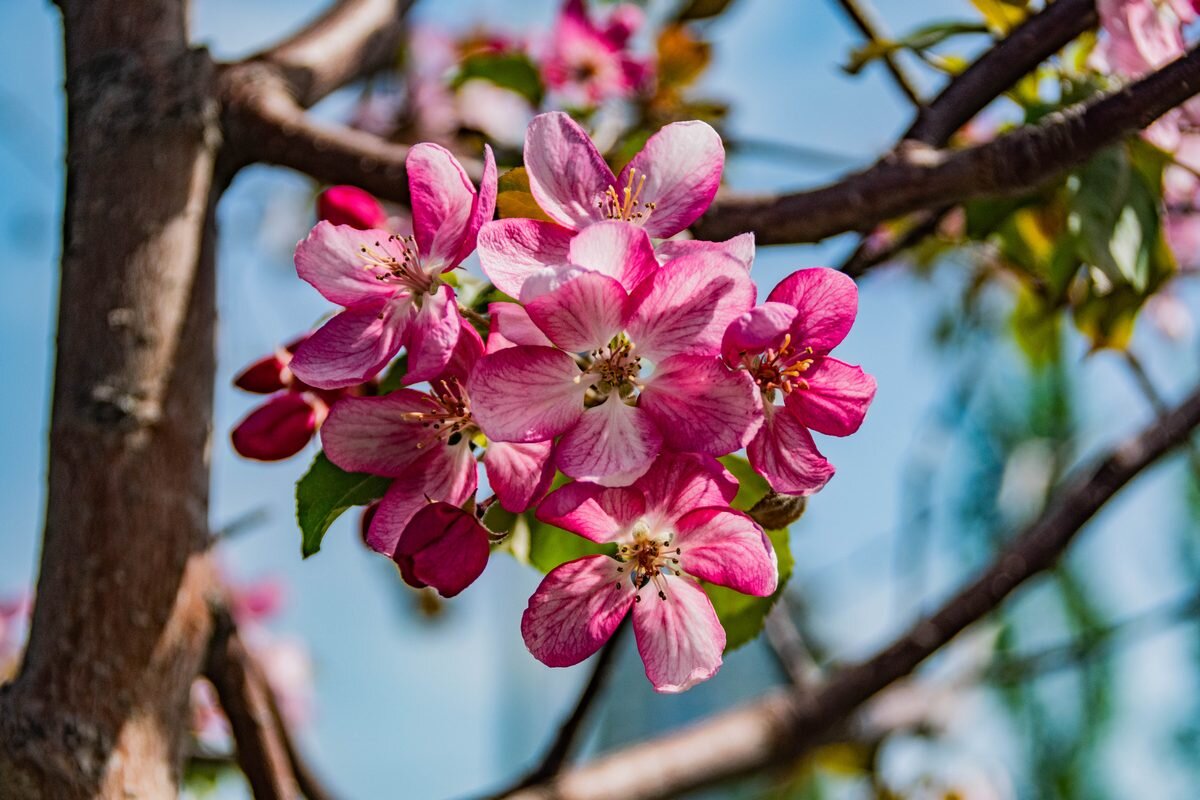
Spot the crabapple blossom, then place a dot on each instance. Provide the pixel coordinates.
(391, 286)
(586, 63)
(672, 526)
(577, 367)
(784, 346)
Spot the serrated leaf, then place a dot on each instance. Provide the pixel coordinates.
(741, 615)
(324, 494)
(513, 71)
(513, 198)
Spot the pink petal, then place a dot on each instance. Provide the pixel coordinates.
(432, 335)
(827, 301)
(519, 474)
(680, 638)
(467, 352)
(616, 249)
(679, 482)
(350, 205)
(702, 406)
(567, 175)
(510, 250)
(484, 207)
(785, 454)
(526, 394)
(740, 248)
(444, 547)
(682, 164)
(612, 444)
(726, 547)
(277, 429)
(575, 610)
(353, 346)
(758, 329)
(582, 314)
(598, 513)
(443, 199)
(331, 259)
(377, 434)
(685, 307)
(446, 474)
(264, 376)
(836, 399)
(511, 326)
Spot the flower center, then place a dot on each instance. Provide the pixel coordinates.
(626, 204)
(448, 419)
(780, 368)
(396, 260)
(613, 368)
(647, 558)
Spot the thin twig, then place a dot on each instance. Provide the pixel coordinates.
(790, 648)
(1155, 399)
(863, 18)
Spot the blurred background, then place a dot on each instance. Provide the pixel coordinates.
(1084, 686)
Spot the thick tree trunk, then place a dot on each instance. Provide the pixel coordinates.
(121, 623)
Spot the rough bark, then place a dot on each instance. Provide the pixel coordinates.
(121, 624)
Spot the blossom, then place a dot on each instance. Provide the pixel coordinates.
(425, 440)
(349, 205)
(784, 345)
(577, 370)
(673, 526)
(586, 63)
(286, 422)
(390, 285)
(443, 547)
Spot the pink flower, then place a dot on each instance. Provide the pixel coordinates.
(1141, 35)
(286, 422)
(577, 370)
(443, 547)
(391, 286)
(672, 526)
(587, 64)
(426, 441)
(784, 345)
(349, 205)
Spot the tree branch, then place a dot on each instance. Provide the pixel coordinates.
(916, 178)
(860, 15)
(783, 726)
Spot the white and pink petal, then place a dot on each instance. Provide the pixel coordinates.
(678, 635)
(526, 394)
(575, 610)
(726, 547)
(702, 406)
(613, 444)
(682, 166)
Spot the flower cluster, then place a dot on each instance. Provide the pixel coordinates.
(618, 355)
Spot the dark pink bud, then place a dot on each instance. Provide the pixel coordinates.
(444, 547)
(349, 205)
(279, 428)
(264, 376)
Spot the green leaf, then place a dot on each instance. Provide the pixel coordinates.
(550, 546)
(701, 9)
(742, 615)
(324, 493)
(751, 486)
(393, 377)
(918, 41)
(514, 71)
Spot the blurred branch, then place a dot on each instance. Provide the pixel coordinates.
(556, 756)
(862, 16)
(785, 725)
(790, 649)
(1155, 399)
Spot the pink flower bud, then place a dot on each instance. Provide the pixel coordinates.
(265, 376)
(279, 428)
(444, 547)
(349, 205)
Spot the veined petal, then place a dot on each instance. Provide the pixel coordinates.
(510, 250)
(444, 547)
(582, 314)
(740, 248)
(377, 434)
(331, 259)
(685, 307)
(702, 406)
(617, 249)
(827, 302)
(785, 454)
(680, 638)
(519, 473)
(836, 399)
(758, 329)
(447, 474)
(567, 175)
(466, 354)
(575, 610)
(598, 513)
(726, 547)
(353, 346)
(484, 207)
(526, 394)
(679, 482)
(682, 164)
(511, 326)
(443, 199)
(432, 335)
(612, 444)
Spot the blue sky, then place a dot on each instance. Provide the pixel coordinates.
(397, 694)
